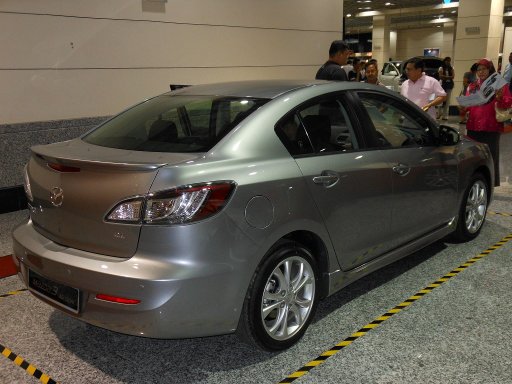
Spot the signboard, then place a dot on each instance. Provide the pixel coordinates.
(431, 52)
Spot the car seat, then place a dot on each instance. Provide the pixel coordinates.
(163, 131)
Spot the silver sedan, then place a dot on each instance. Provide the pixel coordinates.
(236, 207)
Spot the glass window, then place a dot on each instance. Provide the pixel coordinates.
(292, 134)
(387, 68)
(328, 127)
(322, 127)
(174, 123)
(394, 124)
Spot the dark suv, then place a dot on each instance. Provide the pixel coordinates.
(432, 65)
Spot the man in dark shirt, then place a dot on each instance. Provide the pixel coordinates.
(355, 74)
(338, 56)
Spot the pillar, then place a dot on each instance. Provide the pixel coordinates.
(448, 40)
(478, 35)
(380, 39)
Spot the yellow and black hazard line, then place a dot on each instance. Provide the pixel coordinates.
(31, 370)
(500, 213)
(378, 321)
(12, 293)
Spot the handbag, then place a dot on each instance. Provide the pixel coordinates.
(447, 84)
(503, 114)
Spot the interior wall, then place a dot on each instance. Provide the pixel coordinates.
(66, 59)
(411, 42)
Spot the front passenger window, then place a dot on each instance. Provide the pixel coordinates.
(394, 125)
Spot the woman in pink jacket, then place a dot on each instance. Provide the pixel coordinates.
(482, 124)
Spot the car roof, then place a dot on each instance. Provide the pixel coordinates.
(266, 89)
(271, 89)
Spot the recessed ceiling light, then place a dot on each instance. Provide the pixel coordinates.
(349, 14)
(388, 4)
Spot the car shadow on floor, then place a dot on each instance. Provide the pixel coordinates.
(224, 358)
(376, 279)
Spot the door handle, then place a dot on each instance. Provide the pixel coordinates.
(327, 179)
(401, 169)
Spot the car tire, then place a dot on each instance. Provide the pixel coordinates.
(281, 299)
(473, 208)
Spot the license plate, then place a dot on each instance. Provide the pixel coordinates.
(62, 295)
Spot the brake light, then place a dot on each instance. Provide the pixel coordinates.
(63, 168)
(176, 206)
(116, 299)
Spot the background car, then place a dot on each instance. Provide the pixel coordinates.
(236, 207)
(392, 74)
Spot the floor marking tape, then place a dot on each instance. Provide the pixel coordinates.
(367, 328)
(499, 213)
(12, 293)
(29, 368)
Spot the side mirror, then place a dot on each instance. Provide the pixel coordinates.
(393, 73)
(448, 135)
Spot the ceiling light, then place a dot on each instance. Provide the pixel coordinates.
(348, 14)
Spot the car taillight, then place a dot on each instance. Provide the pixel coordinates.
(128, 211)
(176, 206)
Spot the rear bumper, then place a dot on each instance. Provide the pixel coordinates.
(177, 299)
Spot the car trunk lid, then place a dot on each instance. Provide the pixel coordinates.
(74, 186)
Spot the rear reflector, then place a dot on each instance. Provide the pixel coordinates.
(115, 299)
(63, 168)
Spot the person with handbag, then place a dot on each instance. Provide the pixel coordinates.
(446, 76)
(482, 124)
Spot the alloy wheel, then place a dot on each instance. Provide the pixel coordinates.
(288, 298)
(476, 206)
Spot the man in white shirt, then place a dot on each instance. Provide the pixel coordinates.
(422, 90)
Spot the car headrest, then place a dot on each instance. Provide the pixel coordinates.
(163, 130)
(319, 127)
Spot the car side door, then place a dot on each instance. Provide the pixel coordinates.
(390, 76)
(350, 186)
(424, 174)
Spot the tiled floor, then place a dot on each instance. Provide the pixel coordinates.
(457, 333)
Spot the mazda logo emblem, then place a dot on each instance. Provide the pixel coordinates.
(57, 196)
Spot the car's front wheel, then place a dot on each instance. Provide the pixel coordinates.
(473, 208)
(281, 299)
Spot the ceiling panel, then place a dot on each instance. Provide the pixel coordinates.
(404, 14)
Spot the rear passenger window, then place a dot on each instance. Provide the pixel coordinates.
(322, 127)
(394, 125)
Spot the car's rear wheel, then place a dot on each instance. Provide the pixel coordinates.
(281, 299)
(473, 208)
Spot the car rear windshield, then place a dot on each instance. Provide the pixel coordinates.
(174, 123)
